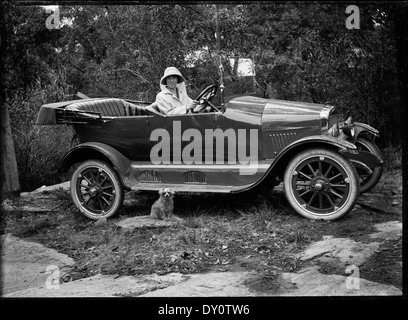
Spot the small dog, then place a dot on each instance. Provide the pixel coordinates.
(162, 209)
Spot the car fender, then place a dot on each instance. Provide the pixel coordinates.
(280, 162)
(364, 159)
(101, 151)
(342, 146)
(360, 127)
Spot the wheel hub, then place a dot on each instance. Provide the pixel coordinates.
(320, 184)
(93, 191)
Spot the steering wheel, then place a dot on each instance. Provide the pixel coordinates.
(205, 96)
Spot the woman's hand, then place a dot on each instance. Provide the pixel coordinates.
(191, 105)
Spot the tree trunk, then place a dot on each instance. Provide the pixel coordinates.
(9, 172)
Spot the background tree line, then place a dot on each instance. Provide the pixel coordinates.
(301, 51)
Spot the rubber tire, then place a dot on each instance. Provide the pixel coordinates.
(340, 160)
(377, 172)
(113, 176)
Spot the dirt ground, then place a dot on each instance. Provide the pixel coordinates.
(220, 233)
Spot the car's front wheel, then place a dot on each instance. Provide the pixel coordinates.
(321, 184)
(96, 190)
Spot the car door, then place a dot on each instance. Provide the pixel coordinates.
(188, 137)
(128, 135)
(240, 125)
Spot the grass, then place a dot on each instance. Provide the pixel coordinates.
(221, 232)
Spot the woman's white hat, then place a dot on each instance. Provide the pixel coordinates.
(172, 71)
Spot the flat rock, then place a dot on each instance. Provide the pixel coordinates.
(29, 209)
(64, 185)
(347, 251)
(28, 264)
(388, 230)
(216, 284)
(105, 286)
(170, 285)
(144, 222)
(307, 282)
(310, 282)
(350, 252)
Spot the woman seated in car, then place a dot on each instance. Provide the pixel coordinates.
(173, 98)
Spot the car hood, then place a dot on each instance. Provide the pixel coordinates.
(290, 115)
(275, 115)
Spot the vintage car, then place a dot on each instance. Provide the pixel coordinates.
(248, 142)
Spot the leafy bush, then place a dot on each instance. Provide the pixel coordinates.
(38, 148)
(392, 158)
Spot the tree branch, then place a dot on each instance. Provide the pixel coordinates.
(134, 73)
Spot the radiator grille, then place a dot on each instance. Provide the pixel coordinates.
(281, 140)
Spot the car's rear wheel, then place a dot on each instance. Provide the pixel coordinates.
(368, 180)
(321, 184)
(96, 190)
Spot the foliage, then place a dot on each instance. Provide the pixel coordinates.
(30, 48)
(313, 57)
(38, 148)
